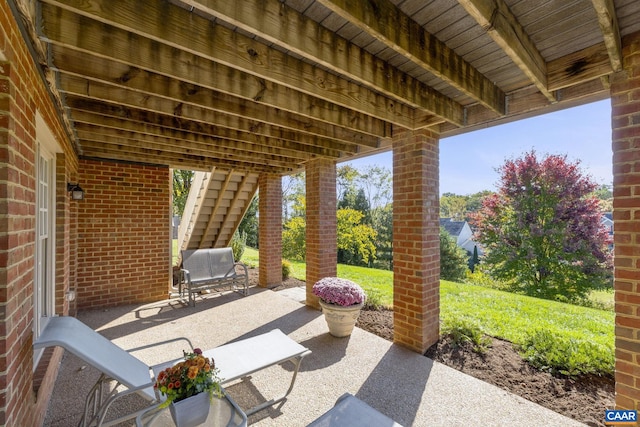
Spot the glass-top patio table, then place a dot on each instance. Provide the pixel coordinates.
(224, 412)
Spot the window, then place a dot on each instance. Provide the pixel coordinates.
(44, 274)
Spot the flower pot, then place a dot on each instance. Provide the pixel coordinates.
(340, 319)
(191, 411)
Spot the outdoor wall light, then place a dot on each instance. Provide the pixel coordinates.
(77, 193)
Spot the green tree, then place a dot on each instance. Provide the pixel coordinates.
(605, 195)
(382, 223)
(453, 206)
(181, 185)
(293, 191)
(355, 240)
(376, 182)
(542, 231)
(294, 243)
(356, 199)
(453, 259)
(460, 208)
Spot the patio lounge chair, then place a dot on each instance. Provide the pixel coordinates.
(235, 360)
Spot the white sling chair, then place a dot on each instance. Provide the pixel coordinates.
(234, 360)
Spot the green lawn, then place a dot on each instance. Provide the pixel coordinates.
(500, 314)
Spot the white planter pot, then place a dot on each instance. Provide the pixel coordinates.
(191, 411)
(341, 320)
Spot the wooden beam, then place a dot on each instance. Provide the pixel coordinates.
(172, 25)
(387, 23)
(159, 125)
(181, 93)
(529, 102)
(176, 161)
(503, 27)
(85, 94)
(116, 100)
(89, 133)
(606, 11)
(216, 47)
(579, 67)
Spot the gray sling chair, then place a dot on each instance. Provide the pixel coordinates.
(234, 360)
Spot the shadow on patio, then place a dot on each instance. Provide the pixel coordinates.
(408, 387)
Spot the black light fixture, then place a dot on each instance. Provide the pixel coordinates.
(77, 193)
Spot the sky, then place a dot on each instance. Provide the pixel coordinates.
(468, 162)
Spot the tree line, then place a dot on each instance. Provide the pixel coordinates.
(541, 231)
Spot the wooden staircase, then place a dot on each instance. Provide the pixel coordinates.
(215, 206)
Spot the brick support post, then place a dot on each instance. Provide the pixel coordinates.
(270, 229)
(625, 103)
(416, 244)
(322, 245)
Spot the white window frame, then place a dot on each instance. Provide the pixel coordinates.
(44, 277)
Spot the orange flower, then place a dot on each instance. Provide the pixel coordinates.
(200, 361)
(193, 372)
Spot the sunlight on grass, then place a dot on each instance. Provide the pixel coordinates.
(605, 298)
(510, 316)
(174, 252)
(500, 314)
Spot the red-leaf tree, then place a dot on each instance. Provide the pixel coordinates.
(542, 231)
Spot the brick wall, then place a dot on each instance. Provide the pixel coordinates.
(321, 237)
(625, 102)
(124, 230)
(270, 229)
(416, 243)
(22, 93)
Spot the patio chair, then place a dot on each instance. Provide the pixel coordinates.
(235, 360)
(353, 412)
(205, 269)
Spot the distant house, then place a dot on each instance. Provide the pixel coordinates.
(461, 232)
(607, 221)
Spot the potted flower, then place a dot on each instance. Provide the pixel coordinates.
(341, 301)
(189, 386)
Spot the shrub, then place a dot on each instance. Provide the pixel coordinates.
(238, 245)
(286, 269)
(453, 259)
(567, 355)
(462, 331)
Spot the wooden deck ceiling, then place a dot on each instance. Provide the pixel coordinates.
(267, 85)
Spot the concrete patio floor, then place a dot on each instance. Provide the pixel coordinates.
(408, 387)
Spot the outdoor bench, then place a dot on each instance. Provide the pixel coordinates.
(204, 269)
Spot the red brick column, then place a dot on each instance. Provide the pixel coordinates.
(270, 229)
(416, 244)
(625, 103)
(322, 244)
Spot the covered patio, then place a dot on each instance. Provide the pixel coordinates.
(410, 388)
(112, 95)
